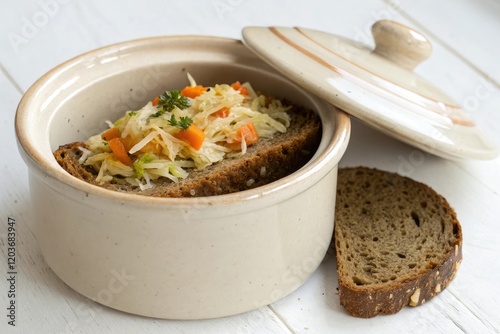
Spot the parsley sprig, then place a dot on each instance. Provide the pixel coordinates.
(183, 123)
(169, 100)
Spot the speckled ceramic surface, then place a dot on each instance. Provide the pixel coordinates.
(176, 258)
(377, 86)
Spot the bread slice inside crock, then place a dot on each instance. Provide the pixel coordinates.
(265, 161)
(397, 242)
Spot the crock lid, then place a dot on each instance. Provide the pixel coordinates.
(375, 85)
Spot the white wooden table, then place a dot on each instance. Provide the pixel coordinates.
(37, 35)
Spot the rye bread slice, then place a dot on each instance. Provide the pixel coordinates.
(266, 161)
(397, 242)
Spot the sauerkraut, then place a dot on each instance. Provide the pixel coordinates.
(183, 130)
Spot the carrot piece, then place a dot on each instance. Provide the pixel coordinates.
(152, 148)
(193, 91)
(243, 91)
(238, 86)
(222, 113)
(194, 136)
(155, 101)
(246, 131)
(119, 151)
(110, 134)
(129, 142)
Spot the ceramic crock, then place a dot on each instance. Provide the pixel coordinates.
(174, 258)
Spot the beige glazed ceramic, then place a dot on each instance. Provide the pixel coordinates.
(377, 85)
(189, 258)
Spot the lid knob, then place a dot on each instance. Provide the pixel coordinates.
(400, 44)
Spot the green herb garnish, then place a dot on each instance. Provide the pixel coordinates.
(183, 123)
(169, 100)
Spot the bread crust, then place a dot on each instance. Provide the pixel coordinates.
(266, 161)
(369, 300)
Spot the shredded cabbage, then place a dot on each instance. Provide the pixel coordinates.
(151, 138)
